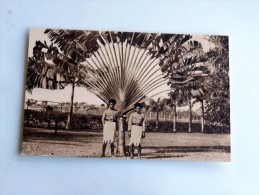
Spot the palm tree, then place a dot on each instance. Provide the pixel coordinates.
(200, 96)
(118, 65)
(49, 110)
(186, 68)
(157, 107)
(186, 98)
(71, 108)
(54, 69)
(126, 66)
(172, 103)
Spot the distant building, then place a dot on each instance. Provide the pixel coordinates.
(80, 108)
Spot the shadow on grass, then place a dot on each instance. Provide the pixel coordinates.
(186, 149)
(168, 152)
(74, 143)
(52, 138)
(90, 139)
(152, 156)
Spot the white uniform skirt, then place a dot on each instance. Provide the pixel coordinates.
(136, 134)
(109, 130)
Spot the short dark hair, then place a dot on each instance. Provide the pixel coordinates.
(138, 105)
(112, 101)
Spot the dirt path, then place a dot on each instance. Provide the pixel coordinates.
(176, 146)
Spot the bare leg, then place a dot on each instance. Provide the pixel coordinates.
(139, 151)
(127, 150)
(103, 149)
(112, 149)
(132, 151)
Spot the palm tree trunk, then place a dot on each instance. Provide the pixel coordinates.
(202, 116)
(157, 119)
(190, 117)
(222, 123)
(68, 125)
(28, 121)
(121, 138)
(222, 128)
(210, 131)
(56, 127)
(174, 128)
(48, 114)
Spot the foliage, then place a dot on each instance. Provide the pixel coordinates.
(41, 119)
(30, 102)
(52, 69)
(157, 106)
(218, 101)
(193, 73)
(120, 65)
(167, 127)
(103, 60)
(185, 66)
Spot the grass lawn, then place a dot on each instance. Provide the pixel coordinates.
(156, 145)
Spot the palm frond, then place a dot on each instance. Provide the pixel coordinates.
(127, 72)
(126, 66)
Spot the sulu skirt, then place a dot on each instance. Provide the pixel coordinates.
(109, 131)
(136, 134)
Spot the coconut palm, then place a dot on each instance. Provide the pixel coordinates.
(185, 98)
(157, 107)
(200, 96)
(172, 104)
(177, 97)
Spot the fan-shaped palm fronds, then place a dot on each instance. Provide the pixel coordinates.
(125, 66)
(124, 70)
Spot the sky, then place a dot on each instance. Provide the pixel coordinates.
(81, 93)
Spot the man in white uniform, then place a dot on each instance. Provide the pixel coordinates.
(136, 129)
(109, 120)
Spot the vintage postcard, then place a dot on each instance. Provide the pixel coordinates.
(128, 95)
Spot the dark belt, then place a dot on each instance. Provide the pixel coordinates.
(110, 120)
(137, 124)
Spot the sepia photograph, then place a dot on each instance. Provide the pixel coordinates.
(127, 95)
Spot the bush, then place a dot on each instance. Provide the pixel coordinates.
(57, 120)
(81, 121)
(167, 126)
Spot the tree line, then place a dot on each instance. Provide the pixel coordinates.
(127, 66)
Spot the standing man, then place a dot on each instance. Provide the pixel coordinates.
(136, 129)
(109, 120)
